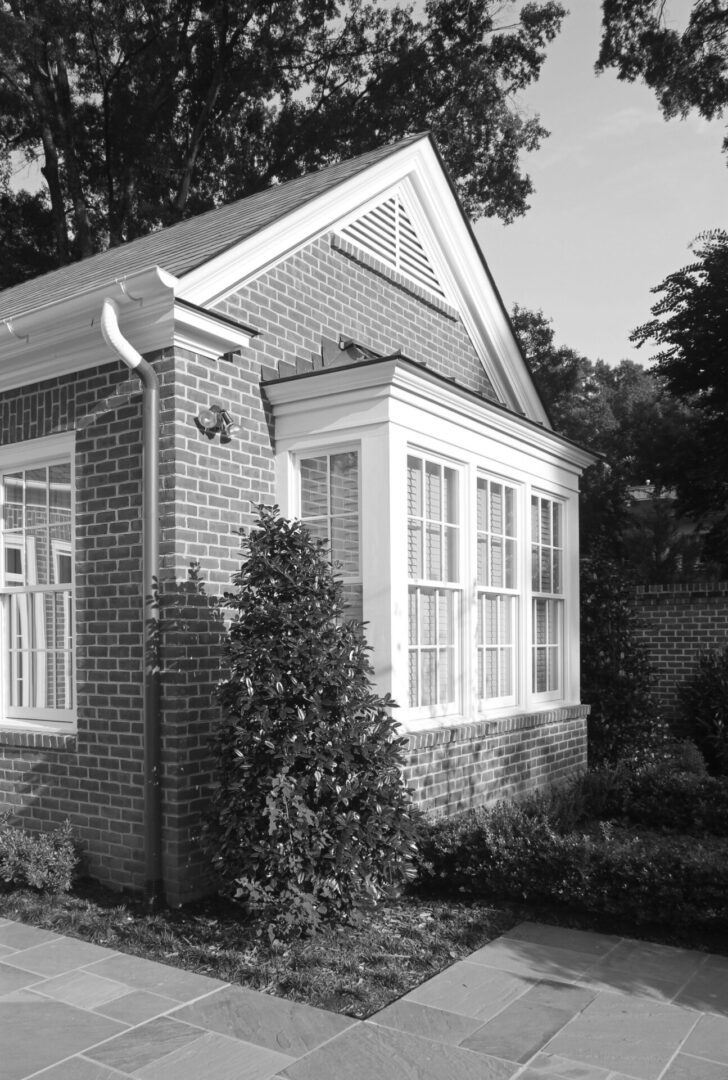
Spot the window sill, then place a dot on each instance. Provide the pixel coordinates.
(38, 740)
(468, 730)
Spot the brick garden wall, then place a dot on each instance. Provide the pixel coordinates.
(679, 623)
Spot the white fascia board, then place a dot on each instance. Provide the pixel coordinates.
(207, 334)
(370, 393)
(65, 336)
(439, 217)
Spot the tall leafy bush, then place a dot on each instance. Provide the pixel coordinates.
(616, 678)
(311, 819)
(704, 703)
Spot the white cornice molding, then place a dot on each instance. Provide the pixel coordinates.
(368, 390)
(56, 339)
(206, 334)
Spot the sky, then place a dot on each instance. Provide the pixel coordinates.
(620, 193)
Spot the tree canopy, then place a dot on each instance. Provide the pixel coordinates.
(145, 112)
(690, 328)
(686, 69)
(644, 433)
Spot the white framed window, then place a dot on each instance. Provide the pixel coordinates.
(467, 536)
(36, 582)
(497, 593)
(547, 556)
(435, 588)
(329, 498)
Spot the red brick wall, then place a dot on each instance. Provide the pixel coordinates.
(94, 778)
(453, 769)
(679, 623)
(323, 291)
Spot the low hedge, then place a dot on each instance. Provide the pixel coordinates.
(44, 861)
(511, 852)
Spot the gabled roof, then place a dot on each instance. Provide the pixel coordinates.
(49, 325)
(189, 244)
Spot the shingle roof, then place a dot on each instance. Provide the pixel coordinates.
(183, 247)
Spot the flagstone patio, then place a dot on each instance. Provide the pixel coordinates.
(540, 1003)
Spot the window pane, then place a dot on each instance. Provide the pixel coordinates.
(433, 492)
(344, 483)
(510, 512)
(452, 572)
(482, 505)
(414, 550)
(497, 575)
(414, 487)
(428, 689)
(446, 622)
(451, 496)
(13, 501)
(428, 619)
(345, 544)
(496, 509)
(314, 487)
(482, 561)
(510, 564)
(433, 553)
(545, 521)
(414, 636)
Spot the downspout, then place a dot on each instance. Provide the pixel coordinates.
(154, 881)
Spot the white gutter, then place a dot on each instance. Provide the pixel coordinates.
(154, 880)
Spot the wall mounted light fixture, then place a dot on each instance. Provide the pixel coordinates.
(217, 421)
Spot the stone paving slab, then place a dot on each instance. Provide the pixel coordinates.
(539, 1003)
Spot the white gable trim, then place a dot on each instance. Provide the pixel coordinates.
(446, 237)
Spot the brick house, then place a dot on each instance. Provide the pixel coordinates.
(347, 326)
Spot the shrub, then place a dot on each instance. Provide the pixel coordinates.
(45, 861)
(704, 703)
(616, 678)
(311, 819)
(510, 851)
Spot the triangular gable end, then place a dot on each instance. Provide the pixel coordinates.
(440, 256)
(386, 233)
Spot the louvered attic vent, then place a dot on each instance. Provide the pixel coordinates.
(387, 234)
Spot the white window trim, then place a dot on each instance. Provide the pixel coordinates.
(558, 597)
(390, 408)
(50, 450)
(457, 589)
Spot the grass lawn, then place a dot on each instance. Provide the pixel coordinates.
(352, 970)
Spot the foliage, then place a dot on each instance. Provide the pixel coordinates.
(704, 704)
(616, 678)
(645, 436)
(690, 327)
(145, 113)
(45, 861)
(686, 69)
(25, 220)
(311, 819)
(516, 851)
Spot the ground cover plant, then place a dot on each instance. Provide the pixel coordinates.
(646, 844)
(47, 861)
(704, 703)
(349, 969)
